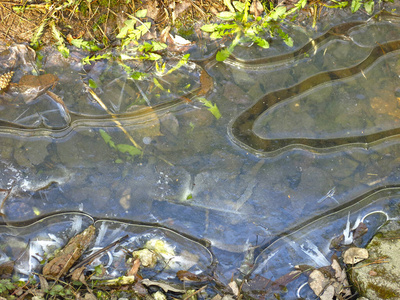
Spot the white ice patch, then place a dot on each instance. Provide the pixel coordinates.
(315, 254)
(347, 233)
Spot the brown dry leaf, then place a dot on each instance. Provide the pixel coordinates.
(337, 242)
(135, 268)
(64, 260)
(89, 296)
(178, 44)
(123, 280)
(77, 275)
(206, 83)
(41, 81)
(342, 284)
(30, 87)
(166, 287)
(354, 255)
(164, 35)
(6, 269)
(284, 280)
(340, 274)
(44, 285)
(360, 231)
(234, 287)
(256, 8)
(188, 276)
(257, 284)
(318, 282)
(328, 293)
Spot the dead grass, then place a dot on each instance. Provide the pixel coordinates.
(97, 20)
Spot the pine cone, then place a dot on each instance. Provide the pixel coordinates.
(5, 80)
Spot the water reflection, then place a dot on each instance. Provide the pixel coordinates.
(190, 176)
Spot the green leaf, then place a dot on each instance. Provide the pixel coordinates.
(239, 6)
(215, 35)
(59, 41)
(88, 59)
(288, 41)
(369, 6)
(107, 138)
(38, 34)
(209, 27)
(262, 43)
(153, 56)
(302, 3)
(158, 84)
(222, 55)
(129, 26)
(130, 149)
(211, 107)
(92, 83)
(138, 75)
(285, 37)
(85, 45)
(340, 4)
(157, 46)
(355, 5)
(229, 5)
(278, 12)
(98, 270)
(144, 28)
(226, 16)
(181, 62)
(141, 13)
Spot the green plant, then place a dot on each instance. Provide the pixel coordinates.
(245, 27)
(211, 107)
(6, 285)
(60, 43)
(131, 150)
(357, 4)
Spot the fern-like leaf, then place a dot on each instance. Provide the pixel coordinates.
(38, 34)
(60, 43)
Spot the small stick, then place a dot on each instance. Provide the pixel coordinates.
(92, 256)
(118, 123)
(196, 292)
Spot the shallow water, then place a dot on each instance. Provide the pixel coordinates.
(195, 175)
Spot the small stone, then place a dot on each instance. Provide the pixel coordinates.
(372, 273)
(159, 296)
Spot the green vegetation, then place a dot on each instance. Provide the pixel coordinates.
(211, 107)
(246, 27)
(130, 150)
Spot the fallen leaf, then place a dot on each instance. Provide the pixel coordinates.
(166, 287)
(354, 255)
(328, 293)
(64, 260)
(6, 269)
(135, 268)
(123, 280)
(206, 83)
(77, 275)
(188, 276)
(235, 289)
(146, 257)
(318, 282)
